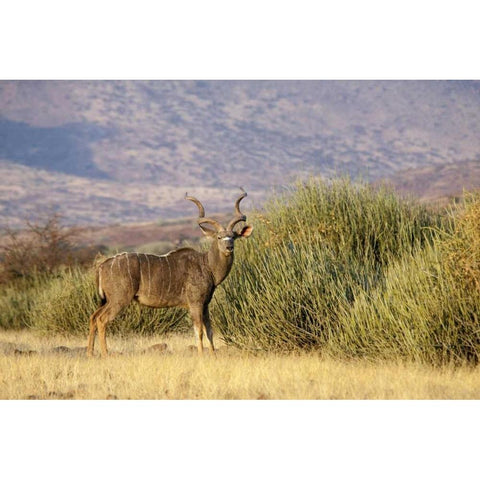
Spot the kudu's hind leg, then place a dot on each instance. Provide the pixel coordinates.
(93, 330)
(108, 312)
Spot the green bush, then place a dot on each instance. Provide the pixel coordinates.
(357, 272)
(420, 312)
(314, 251)
(462, 247)
(17, 298)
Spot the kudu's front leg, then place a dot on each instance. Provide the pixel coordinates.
(201, 325)
(196, 314)
(207, 328)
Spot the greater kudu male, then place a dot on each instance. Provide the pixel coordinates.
(181, 278)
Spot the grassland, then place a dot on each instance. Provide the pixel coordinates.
(135, 372)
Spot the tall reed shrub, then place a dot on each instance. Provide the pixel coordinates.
(421, 312)
(314, 250)
(17, 298)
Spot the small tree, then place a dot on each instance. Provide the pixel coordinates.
(41, 247)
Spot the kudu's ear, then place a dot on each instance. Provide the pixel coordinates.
(209, 232)
(245, 232)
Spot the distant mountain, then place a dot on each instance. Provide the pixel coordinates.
(438, 184)
(126, 151)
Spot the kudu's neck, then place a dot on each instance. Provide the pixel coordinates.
(219, 264)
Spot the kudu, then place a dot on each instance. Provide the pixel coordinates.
(181, 278)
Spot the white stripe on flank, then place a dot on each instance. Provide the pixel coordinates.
(149, 276)
(169, 273)
(147, 256)
(114, 258)
(128, 268)
(164, 255)
(140, 268)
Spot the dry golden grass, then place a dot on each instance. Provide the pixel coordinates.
(178, 373)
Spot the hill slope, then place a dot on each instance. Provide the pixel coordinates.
(126, 151)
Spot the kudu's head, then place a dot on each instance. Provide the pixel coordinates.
(224, 237)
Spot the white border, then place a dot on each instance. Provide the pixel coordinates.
(242, 40)
(252, 39)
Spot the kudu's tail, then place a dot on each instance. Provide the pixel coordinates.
(98, 262)
(100, 291)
